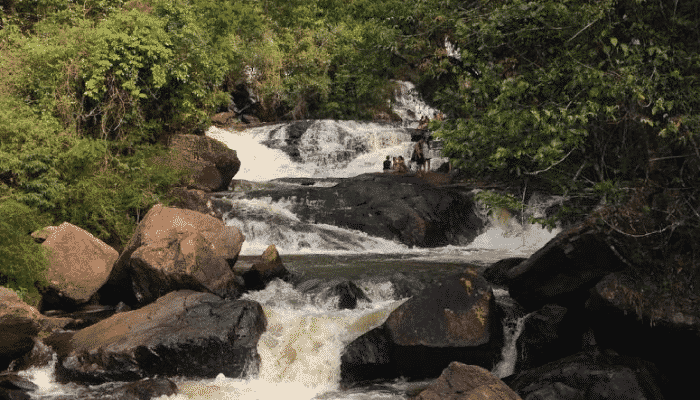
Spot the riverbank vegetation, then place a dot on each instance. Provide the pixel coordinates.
(595, 99)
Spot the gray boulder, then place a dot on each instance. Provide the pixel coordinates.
(184, 333)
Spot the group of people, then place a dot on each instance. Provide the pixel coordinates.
(398, 164)
(419, 156)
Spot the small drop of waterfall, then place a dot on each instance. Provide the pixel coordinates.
(513, 323)
(409, 105)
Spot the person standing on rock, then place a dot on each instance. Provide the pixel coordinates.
(418, 155)
(387, 164)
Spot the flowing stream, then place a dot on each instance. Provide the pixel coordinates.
(305, 337)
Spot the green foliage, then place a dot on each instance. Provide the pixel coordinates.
(493, 200)
(580, 92)
(24, 261)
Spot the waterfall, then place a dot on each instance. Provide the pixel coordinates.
(300, 350)
(513, 323)
(323, 148)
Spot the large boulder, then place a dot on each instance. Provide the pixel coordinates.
(175, 249)
(455, 320)
(563, 270)
(210, 163)
(79, 264)
(467, 382)
(590, 375)
(636, 317)
(404, 208)
(184, 333)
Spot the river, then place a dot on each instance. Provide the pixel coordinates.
(306, 334)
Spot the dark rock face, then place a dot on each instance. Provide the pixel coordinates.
(549, 334)
(17, 338)
(396, 207)
(497, 273)
(15, 387)
(563, 270)
(467, 382)
(657, 327)
(452, 321)
(406, 286)
(590, 375)
(348, 294)
(184, 333)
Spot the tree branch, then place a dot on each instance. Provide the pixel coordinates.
(550, 167)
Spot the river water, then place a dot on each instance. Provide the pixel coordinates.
(306, 334)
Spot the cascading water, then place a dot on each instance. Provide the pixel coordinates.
(301, 349)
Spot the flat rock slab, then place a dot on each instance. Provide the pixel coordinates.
(184, 333)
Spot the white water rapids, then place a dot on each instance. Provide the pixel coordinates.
(301, 349)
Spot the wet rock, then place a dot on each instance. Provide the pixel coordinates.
(563, 270)
(497, 272)
(15, 387)
(20, 325)
(467, 382)
(79, 264)
(456, 320)
(548, 334)
(175, 249)
(211, 163)
(348, 295)
(396, 207)
(17, 338)
(406, 286)
(41, 355)
(270, 267)
(184, 333)
(590, 375)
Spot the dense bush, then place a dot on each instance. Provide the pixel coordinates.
(23, 260)
(594, 98)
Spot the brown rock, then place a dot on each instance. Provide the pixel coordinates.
(79, 264)
(457, 313)
(454, 320)
(210, 163)
(467, 382)
(270, 267)
(195, 200)
(175, 249)
(224, 119)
